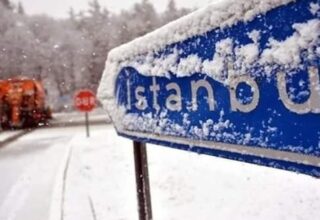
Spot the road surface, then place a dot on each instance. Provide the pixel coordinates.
(28, 169)
(32, 166)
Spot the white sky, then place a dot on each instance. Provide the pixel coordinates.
(60, 8)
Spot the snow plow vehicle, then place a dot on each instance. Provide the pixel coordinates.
(22, 103)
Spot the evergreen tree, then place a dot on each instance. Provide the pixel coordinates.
(72, 16)
(21, 9)
(172, 12)
(95, 26)
(94, 7)
(144, 19)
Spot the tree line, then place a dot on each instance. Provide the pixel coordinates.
(68, 54)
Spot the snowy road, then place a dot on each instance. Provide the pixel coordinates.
(100, 182)
(28, 169)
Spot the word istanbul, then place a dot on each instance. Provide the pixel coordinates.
(174, 101)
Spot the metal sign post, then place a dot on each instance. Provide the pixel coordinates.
(85, 101)
(142, 180)
(87, 124)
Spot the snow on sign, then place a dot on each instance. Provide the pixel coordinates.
(238, 79)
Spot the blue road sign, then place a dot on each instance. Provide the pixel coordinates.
(246, 89)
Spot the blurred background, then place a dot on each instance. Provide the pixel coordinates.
(64, 44)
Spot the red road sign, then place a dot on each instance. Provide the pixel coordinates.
(85, 100)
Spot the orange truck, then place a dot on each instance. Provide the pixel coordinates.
(22, 103)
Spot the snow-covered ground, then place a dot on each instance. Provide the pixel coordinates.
(100, 182)
(4, 135)
(184, 186)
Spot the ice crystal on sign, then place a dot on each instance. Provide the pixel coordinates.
(314, 8)
(254, 36)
